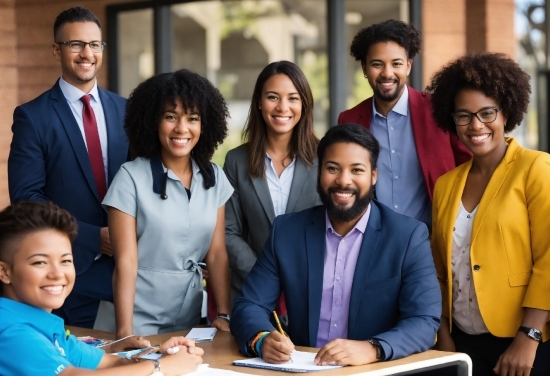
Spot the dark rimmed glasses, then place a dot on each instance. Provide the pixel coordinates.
(485, 115)
(78, 45)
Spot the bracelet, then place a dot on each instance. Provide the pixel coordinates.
(225, 316)
(258, 346)
(156, 371)
(255, 340)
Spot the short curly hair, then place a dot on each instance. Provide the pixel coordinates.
(405, 35)
(495, 74)
(146, 105)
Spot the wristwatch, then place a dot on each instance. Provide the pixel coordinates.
(225, 316)
(156, 372)
(532, 333)
(379, 350)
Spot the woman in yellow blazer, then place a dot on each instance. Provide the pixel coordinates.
(490, 222)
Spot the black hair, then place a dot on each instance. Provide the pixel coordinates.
(25, 217)
(349, 133)
(76, 14)
(146, 106)
(405, 35)
(495, 74)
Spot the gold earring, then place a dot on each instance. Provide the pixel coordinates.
(365, 76)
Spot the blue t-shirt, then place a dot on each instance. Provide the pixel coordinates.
(33, 342)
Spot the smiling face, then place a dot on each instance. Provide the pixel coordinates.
(280, 104)
(41, 273)
(346, 181)
(387, 67)
(78, 68)
(482, 139)
(179, 132)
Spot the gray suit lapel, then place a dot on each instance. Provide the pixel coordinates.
(301, 174)
(262, 191)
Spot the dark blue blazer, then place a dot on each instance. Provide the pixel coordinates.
(395, 295)
(48, 161)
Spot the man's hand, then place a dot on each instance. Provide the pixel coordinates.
(105, 242)
(221, 324)
(344, 352)
(276, 348)
(518, 358)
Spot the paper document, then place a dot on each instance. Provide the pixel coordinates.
(204, 370)
(202, 334)
(301, 362)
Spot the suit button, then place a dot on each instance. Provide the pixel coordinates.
(477, 267)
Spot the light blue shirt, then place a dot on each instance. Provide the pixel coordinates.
(34, 342)
(73, 95)
(279, 186)
(400, 183)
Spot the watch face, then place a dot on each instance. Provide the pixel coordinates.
(535, 334)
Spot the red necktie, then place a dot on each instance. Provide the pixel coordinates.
(94, 146)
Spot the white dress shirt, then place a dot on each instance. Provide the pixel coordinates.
(279, 186)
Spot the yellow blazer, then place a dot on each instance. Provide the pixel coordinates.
(510, 244)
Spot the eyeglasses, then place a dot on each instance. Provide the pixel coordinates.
(78, 45)
(485, 115)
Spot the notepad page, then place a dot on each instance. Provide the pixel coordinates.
(301, 361)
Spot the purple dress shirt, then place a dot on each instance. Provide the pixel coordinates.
(340, 261)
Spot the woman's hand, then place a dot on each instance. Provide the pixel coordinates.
(185, 359)
(180, 343)
(221, 324)
(445, 342)
(518, 358)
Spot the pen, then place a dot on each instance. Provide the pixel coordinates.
(279, 327)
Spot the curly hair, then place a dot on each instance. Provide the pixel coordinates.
(494, 74)
(405, 35)
(146, 105)
(303, 143)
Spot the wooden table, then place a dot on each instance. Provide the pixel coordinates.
(224, 350)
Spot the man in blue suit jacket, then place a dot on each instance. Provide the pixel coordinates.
(358, 278)
(49, 160)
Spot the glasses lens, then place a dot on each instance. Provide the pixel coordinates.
(76, 46)
(462, 118)
(487, 116)
(96, 46)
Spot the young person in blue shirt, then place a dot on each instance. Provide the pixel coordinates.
(36, 275)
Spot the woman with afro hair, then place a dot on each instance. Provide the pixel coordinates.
(167, 208)
(490, 238)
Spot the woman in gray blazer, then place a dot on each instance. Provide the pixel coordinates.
(275, 170)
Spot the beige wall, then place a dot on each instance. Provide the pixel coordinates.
(27, 68)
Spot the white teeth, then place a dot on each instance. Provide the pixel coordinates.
(344, 195)
(53, 289)
(181, 141)
(480, 137)
(282, 118)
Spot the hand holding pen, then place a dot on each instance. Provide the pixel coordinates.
(277, 347)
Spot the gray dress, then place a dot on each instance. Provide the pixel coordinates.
(173, 236)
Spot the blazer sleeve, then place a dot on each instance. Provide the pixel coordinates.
(259, 295)
(419, 301)
(241, 256)
(27, 180)
(537, 187)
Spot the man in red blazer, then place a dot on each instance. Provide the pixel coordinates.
(414, 152)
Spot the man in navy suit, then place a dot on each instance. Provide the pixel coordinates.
(358, 278)
(66, 152)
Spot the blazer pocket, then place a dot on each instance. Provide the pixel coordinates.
(382, 284)
(519, 279)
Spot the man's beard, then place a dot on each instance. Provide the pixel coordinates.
(339, 214)
(388, 96)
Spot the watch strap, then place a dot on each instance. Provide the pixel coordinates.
(532, 333)
(225, 316)
(380, 354)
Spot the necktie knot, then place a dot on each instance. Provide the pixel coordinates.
(86, 99)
